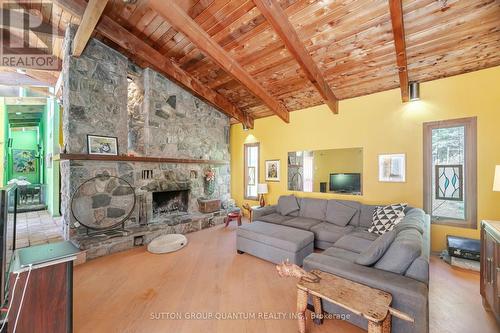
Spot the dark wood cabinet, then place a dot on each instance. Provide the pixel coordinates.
(46, 280)
(490, 266)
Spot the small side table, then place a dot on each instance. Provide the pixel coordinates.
(370, 303)
(235, 215)
(251, 211)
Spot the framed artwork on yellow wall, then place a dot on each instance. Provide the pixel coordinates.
(272, 170)
(392, 168)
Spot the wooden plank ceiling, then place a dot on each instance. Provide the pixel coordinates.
(350, 41)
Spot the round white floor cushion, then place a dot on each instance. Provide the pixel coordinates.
(167, 243)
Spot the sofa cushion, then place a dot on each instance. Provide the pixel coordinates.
(386, 218)
(366, 215)
(287, 204)
(338, 213)
(285, 238)
(363, 233)
(313, 208)
(353, 243)
(301, 223)
(258, 212)
(403, 251)
(414, 219)
(356, 205)
(341, 254)
(376, 249)
(329, 232)
(275, 218)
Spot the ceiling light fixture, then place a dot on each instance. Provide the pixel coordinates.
(245, 127)
(19, 113)
(414, 91)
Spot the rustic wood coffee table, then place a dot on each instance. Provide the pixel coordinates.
(370, 303)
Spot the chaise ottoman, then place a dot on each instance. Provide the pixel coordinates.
(274, 242)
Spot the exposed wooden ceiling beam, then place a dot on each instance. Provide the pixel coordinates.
(125, 39)
(185, 24)
(398, 30)
(272, 11)
(89, 20)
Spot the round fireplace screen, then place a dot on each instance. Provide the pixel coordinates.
(103, 202)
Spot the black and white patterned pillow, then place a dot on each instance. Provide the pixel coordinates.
(386, 218)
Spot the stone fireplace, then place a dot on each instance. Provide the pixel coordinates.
(153, 119)
(168, 203)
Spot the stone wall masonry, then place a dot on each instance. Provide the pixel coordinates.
(136, 112)
(150, 116)
(94, 95)
(166, 176)
(176, 123)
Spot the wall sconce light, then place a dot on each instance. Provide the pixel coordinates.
(414, 91)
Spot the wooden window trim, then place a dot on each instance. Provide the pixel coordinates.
(470, 170)
(245, 169)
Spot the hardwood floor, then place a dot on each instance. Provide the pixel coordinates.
(136, 291)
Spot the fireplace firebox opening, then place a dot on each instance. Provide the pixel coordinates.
(170, 202)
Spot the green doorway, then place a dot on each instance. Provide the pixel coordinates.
(24, 155)
(25, 162)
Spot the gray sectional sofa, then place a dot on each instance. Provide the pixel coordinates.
(396, 262)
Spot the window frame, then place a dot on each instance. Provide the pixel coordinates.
(469, 172)
(245, 169)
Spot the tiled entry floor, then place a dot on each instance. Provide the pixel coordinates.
(34, 228)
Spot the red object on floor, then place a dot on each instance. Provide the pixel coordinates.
(233, 216)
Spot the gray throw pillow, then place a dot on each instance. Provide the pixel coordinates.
(287, 204)
(376, 249)
(338, 213)
(403, 251)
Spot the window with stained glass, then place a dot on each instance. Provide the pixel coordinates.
(450, 171)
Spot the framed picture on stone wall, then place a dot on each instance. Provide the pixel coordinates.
(102, 145)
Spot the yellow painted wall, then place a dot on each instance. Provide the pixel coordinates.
(380, 123)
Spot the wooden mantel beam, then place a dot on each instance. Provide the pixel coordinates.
(272, 11)
(398, 30)
(185, 24)
(89, 20)
(125, 39)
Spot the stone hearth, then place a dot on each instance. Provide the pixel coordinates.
(100, 244)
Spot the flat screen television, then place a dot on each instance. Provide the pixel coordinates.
(345, 182)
